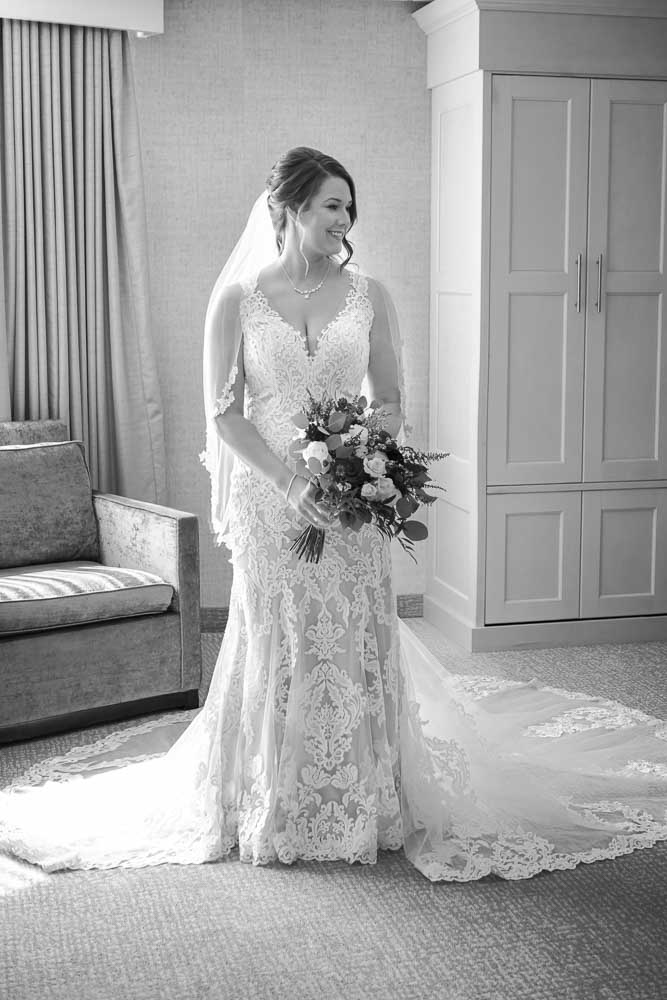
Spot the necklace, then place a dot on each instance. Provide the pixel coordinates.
(309, 291)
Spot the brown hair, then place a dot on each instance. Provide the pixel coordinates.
(295, 178)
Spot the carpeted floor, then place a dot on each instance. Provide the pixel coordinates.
(328, 931)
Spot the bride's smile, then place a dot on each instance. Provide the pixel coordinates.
(320, 228)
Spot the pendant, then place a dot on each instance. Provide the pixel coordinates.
(307, 294)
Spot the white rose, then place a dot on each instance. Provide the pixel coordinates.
(318, 450)
(376, 464)
(385, 487)
(369, 491)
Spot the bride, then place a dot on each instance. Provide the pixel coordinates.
(329, 732)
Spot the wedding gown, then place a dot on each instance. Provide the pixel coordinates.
(329, 732)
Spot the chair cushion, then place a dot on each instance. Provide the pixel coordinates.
(46, 505)
(33, 598)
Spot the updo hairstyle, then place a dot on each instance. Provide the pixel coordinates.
(294, 179)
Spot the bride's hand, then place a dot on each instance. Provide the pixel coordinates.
(301, 497)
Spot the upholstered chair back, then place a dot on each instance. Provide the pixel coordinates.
(32, 431)
(46, 505)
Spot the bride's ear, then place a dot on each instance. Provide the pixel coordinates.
(291, 215)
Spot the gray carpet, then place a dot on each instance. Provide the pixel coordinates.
(633, 673)
(330, 931)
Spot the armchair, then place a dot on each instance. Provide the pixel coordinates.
(99, 598)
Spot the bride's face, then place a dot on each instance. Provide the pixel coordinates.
(327, 219)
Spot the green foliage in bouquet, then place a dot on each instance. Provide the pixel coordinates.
(360, 471)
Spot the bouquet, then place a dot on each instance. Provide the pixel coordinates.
(360, 472)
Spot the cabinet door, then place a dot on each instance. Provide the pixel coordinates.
(624, 553)
(626, 362)
(532, 556)
(539, 177)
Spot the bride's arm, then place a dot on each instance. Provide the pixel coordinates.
(224, 386)
(383, 380)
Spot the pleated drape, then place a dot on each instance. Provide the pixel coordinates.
(75, 323)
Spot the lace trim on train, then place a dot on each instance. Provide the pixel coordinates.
(60, 768)
(480, 686)
(651, 767)
(598, 714)
(609, 715)
(520, 854)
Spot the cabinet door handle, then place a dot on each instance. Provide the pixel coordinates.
(577, 304)
(598, 301)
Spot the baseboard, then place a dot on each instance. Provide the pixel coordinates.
(543, 635)
(213, 619)
(407, 605)
(453, 628)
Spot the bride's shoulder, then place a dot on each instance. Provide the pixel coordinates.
(372, 284)
(224, 307)
(228, 297)
(373, 287)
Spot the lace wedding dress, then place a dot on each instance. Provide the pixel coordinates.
(329, 732)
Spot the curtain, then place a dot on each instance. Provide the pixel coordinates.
(75, 322)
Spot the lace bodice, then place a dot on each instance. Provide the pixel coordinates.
(280, 371)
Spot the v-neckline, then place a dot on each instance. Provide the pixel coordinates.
(311, 355)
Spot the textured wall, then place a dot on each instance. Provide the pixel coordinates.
(227, 88)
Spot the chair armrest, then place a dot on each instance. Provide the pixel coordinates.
(139, 535)
(161, 540)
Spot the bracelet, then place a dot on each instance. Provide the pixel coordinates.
(289, 485)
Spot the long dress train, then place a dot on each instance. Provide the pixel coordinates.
(329, 731)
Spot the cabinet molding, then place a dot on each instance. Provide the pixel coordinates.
(441, 13)
(604, 8)
(538, 635)
(596, 38)
(578, 487)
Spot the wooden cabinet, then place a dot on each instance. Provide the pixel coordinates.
(537, 232)
(624, 552)
(548, 354)
(625, 423)
(576, 271)
(576, 554)
(577, 354)
(533, 556)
